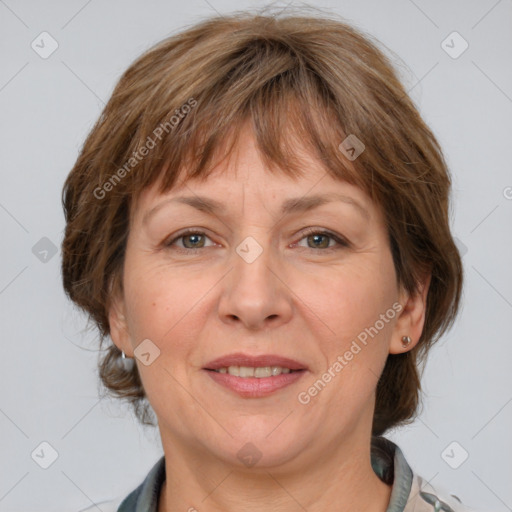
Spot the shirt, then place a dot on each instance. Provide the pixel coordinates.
(409, 493)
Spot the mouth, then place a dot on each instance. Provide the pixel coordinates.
(255, 376)
(246, 361)
(259, 372)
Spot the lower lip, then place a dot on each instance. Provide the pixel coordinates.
(255, 387)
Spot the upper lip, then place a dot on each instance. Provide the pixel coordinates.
(240, 359)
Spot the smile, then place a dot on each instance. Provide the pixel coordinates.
(258, 372)
(247, 384)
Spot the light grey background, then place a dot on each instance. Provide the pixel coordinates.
(48, 365)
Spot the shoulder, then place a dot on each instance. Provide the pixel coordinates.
(410, 491)
(425, 497)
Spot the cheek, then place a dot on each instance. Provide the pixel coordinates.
(349, 330)
(166, 308)
(349, 300)
(169, 307)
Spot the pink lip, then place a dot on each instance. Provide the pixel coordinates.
(254, 387)
(239, 359)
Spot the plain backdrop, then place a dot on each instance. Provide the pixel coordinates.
(48, 371)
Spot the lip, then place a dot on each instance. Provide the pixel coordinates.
(254, 387)
(240, 359)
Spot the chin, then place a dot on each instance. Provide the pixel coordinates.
(262, 444)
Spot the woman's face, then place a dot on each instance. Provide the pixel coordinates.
(272, 272)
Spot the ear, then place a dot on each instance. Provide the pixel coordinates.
(411, 318)
(118, 325)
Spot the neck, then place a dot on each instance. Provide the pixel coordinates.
(339, 478)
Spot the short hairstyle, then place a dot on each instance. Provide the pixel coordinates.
(300, 79)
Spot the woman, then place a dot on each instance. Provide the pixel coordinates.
(259, 221)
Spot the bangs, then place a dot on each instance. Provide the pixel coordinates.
(292, 112)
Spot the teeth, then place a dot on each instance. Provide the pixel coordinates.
(242, 371)
(263, 372)
(249, 371)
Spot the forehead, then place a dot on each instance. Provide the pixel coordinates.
(245, 174)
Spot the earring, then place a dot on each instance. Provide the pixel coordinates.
(406, 340)
(126, 362)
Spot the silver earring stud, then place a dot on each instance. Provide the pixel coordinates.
(126, 362)
(406, 340)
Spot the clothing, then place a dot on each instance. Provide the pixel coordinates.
(410, 492)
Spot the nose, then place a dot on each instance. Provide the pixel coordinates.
(255, 293)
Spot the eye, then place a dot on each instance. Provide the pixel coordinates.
(190, 240)
(318, 239)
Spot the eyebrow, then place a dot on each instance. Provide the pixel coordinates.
(292, 205)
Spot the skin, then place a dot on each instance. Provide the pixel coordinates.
(296, 300)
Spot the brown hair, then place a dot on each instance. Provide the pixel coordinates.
(313, 79)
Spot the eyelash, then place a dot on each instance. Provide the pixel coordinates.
(342, 243)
